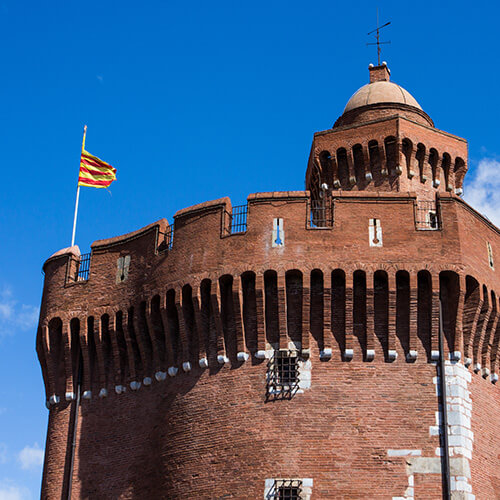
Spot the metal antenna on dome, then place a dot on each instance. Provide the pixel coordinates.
(378, 43)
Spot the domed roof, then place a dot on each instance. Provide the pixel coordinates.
(381, 92)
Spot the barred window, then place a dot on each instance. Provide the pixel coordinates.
(283, 374)
(285, 489)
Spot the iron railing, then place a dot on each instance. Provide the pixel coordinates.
(78, 268)
(427, 216)
(286, 489)
(320, 214)
(282, 375)
(168, 240)
(237, 220)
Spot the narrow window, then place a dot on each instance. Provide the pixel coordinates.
(490, 255)
(278, 233)
(375, 233)
(122, 265)
(432, 219)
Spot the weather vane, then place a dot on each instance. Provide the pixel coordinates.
(378, 43)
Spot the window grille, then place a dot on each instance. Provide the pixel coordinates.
(286, 489)
(237, 219)
(427, 216)
(320, 214)
(282, 375)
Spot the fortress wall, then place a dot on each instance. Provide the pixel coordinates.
(175, 438)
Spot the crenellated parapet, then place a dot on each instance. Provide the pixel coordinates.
(151, 309)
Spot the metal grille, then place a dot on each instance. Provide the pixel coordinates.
(82, 273)
(287, 489)
(320, 214)
(282, 375)
(238, 219)
(427, 217)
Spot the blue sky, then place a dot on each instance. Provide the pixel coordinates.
(192, 101)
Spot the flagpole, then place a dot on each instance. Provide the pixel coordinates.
(78, 190)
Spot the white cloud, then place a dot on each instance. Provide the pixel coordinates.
(15, 316)
(482, 189)
(31, 457)
(11, 491)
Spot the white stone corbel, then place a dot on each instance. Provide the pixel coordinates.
(87, 395)
(494, 378)
(103, 393)
(459, 191)
(221, 359)
(70, 396)
(260, 354)
(160, 376)
(468, 362)
(134, 385)
(392, 355)
(186, 366)
(325, 354)
(412, 355)
(436, 183)
(242, 356)
(485, 372)
(434, 355)
(399, 170)
(348, 354)
(203, 362)
(147, 381)
(54, 399)
(455, 356)
(370, 354)
(369, 176)
(477, 367)
(120, 389)
(172, 371)
(336, 183)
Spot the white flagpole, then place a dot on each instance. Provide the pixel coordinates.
(78, 191)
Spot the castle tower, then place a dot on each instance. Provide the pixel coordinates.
(300, 346)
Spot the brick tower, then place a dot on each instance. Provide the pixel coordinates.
(293, 347)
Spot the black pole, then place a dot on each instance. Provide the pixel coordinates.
(444, 428)
(74, 430)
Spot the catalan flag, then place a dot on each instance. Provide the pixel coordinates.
(94, 172)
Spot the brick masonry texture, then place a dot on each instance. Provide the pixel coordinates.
(172, 354)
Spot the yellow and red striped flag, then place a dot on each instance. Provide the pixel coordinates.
(94, 172)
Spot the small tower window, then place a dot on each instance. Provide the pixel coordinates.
(490, 255)
(432, 219)
(278, 233)
(375, 233)
(122, 265)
